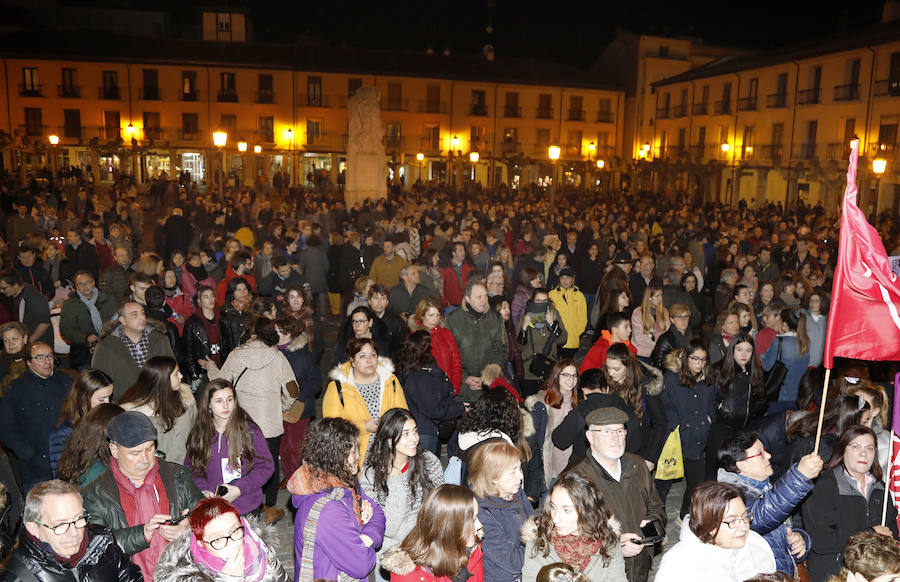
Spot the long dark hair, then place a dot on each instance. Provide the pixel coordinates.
(593, 517)
(686, 376)
(380, 457)
(89, 441)
(852, 432)
(630, 388)
(840, 414)
(727, 369)
(553, 396)
(154, 387)
(78, 400)
(327, 447)
(415, 354)
(237, 432)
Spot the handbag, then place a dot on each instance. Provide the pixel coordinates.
(776, 376)
(801, 572)
(671, 464)
(541, 364)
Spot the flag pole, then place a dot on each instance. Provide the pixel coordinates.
(887, 477)
(822, 410)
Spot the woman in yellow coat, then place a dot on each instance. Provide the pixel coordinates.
(362, 389)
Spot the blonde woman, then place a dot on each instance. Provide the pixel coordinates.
(648, 322)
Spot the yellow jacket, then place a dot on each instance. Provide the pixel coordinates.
(353, 407)
(572, 307)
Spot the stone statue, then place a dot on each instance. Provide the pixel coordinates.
(366, 168)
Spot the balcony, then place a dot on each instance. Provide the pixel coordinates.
(770, 152)
(228, 96)
(71, 132)
(189, 96)
(544, 113)
(430, 145)
(110, 93)
(313, 100)
(510, 147)
(604, 117)
(150, 93)
(838, 151)
(747, 103)
(478, 145)
(809, 96)
(265, 96)
(749, 152)
(575, 115)
(675, 152)
(679, 111)
(804, 151)
(433, 107)
(315, 141)
(395, 142)
(722, 107)
(571, 151)
(478, 110)
(887, 88)
(396, 105)
(189, 134)
(31, 130)
(848, 92)
(154, 133)
(699, 108)
(701, 151)
(68, 91)
(883, 150)
(663, 113)
(266, 135)
(511, 111)
(776, 101)
(30, 90)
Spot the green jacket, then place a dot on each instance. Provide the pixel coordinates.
(481, 341)
(103, 504)
(75, 323)
(111, 355)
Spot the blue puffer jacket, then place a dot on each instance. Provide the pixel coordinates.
(771, 505)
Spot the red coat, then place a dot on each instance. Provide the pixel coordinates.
(475, 567)
(446, 354)
(223, 285)
(453, 290)
(597, 354)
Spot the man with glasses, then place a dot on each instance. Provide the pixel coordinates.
(82, 318)
(29, 411)
(744, 461)
(57, 538)
(626, 486)
(138, 496)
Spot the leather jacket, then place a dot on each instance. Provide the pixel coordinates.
(196, 345)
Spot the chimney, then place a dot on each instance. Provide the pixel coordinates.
(891, 11)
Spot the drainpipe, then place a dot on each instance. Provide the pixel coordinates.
(790, 153)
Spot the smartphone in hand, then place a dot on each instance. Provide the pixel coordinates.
(221, 491)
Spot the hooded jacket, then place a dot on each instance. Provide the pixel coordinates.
(103, 561)
(595, 571)
(691, 408)
(502, 520)
(260, 375)
(771, 507)
(403, 569)
(306, 372)
(177, 564)
(343, 400)
(691, 560)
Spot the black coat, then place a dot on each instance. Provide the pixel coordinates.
(570, 432)
(429, 395)
(307, 374)
(670, 340)
(103, 561)
(236, 323)
(737, 404)
(196, 345)
(84, 258)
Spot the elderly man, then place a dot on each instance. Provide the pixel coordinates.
(744, 461)
(124, 350)
(625, 484)
(57, 539)
(480, 337)
(116, 279)
(405, 296)
(29, 411)
(82, 318)
(139, 497)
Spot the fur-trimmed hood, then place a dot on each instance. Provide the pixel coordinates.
(176, 564)
(528, 531)
(672, 361)
(385, 370)
(397, 561)
(652, 380)
(298, 343)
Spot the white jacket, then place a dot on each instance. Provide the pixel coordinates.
(690, 560)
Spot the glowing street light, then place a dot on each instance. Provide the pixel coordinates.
(257, 149)
(553, 151)
(879, 165)
(725, 147)
(454, 143)
(646, 148)
(242, 146)
(220, 138)
(54, 139)
(420, 156)
(473, 157)
(600, 164)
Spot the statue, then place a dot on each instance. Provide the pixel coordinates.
(366, 170)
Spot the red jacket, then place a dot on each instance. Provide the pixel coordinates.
(223, 285)
(453, 287)
(446, 354)
(597, 354)
(475, 566)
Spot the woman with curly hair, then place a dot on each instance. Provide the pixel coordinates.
(325, 491)
(398, 473)
(86, 453)
(226, 448)
(429, 392)
(575, 527)
(429, 316)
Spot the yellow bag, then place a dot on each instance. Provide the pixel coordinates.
(671, 464)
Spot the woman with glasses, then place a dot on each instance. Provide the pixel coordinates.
(847, 499)
(716, 543)
(361, 323)
(559, 395)
(690, 401)
(221, 545)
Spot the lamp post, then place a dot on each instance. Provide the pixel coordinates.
(726, 147)
(600, 165)
(242, 148)
(553, 153)
(878, 167)
(54, 141)
(451, 165)
(130, 130)
(290, 136)
(473, 157)
(220, 138)
(420, 157)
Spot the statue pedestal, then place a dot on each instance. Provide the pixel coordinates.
(365, 177)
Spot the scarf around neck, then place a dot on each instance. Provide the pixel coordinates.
(91, 304)
(575, 550)
(308, 481)
(255, 555)
(140, 504)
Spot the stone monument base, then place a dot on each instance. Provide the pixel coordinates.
(365, 178)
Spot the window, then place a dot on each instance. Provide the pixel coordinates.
(511, 106)
(663, 51)
(72, 121)
(188, 85)
(604, 110)
(894, 75)
(808, 149)
(395, 96)
(353, 85)
(314, 91)
(574, 140)
(393, 135)
(887, 134)
(748, 142)
(151, 125)
(850, 90)
(34, 124)
(227, 90)
(110, 89)
(190, 126)
(30, 85)
(545, 107)
(576, 108)
(433, 98)
(777, 144)
(112, 125)
(543, 137)
(602, 140)
(266, 92)
(223, 21)
(315, 133)
(510, 143)
(267, 129)
(476, 137)
(748, 103)
(150, 90)
(664, 104)
(704, 94)
(811, 95)
(701, 138)
(69, 87)
(779, 98)
(479, 103)
(229, 124)
(432, 137)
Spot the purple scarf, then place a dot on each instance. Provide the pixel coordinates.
(254, 555)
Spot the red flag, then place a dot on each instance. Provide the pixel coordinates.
(864, 319)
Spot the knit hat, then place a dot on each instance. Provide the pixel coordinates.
(607, 415)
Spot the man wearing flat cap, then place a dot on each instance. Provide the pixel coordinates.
(138, 495)
(626, 484)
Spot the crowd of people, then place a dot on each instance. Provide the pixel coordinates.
(507, 385)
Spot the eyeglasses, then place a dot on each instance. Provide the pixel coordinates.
(42, 357)
(63, 528)
(698, 359)
(608, 432)
(220, 543)
(568, 375)
(759, 454)
(733, 523)
(360, 321)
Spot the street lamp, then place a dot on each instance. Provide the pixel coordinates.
(553, 153)
(54, 141)
(130, 130)
(725, 147)
(257, 149)
(473, 157)
(878, 167)
(290, 136)
(242, 146)
(220, 138)
(420, 157)
(451, 165)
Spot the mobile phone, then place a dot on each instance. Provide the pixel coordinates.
(221, 491)
(177, 520)
(652, 534)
